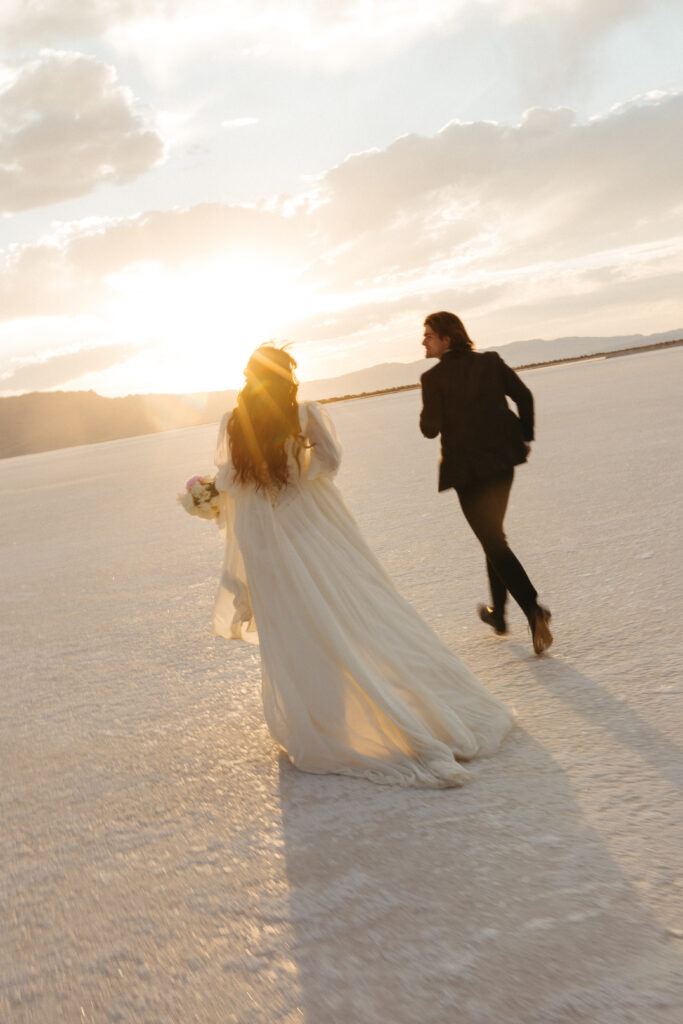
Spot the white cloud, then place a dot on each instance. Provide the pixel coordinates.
(58, 369)
(72, 270)
(528, 230)
(46, 22)
(547, 223)
(548, 182)
(297, 22)
(329, 35)
(239, 122)
(332, 33)
(67, 126)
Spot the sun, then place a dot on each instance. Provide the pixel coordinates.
(197, 325)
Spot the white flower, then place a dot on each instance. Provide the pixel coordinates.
(201, 499)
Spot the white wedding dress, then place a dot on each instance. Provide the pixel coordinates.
(354, 681)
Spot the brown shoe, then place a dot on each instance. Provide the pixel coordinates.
(540, 633)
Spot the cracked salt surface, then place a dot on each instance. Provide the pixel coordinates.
(160, 863)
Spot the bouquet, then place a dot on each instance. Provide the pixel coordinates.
(200, 497)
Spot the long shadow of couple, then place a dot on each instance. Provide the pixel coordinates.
(498, 902)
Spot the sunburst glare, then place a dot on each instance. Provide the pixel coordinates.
(198, 325)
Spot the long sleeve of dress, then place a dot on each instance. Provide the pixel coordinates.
(325, 454)
(233, 617)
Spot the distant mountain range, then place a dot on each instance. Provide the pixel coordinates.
(516, 354)
(45, 420)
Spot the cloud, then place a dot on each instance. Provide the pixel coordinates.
(500, 221)
(239, 122)
(584, 19)
(67, 126)
(550, 36)
(75, 269)
(54, 21)
(548, 185)
(536, 51)
(301, 24)
(63, 368)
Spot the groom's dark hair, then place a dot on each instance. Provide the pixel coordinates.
(448, 325)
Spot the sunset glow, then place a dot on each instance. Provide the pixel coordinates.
(196, 326)
(177, 189)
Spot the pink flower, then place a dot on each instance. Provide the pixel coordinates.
(194, 480)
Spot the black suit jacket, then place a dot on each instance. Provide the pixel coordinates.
(463, 399)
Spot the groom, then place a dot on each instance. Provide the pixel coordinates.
(463, 400)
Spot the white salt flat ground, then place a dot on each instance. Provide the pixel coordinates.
(160, 863)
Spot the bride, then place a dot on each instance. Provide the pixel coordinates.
(354, 681)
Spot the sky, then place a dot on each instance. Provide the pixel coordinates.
(182, 180)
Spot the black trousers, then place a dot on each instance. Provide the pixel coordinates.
(484, 504)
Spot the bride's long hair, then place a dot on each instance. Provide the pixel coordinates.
(265, 416)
